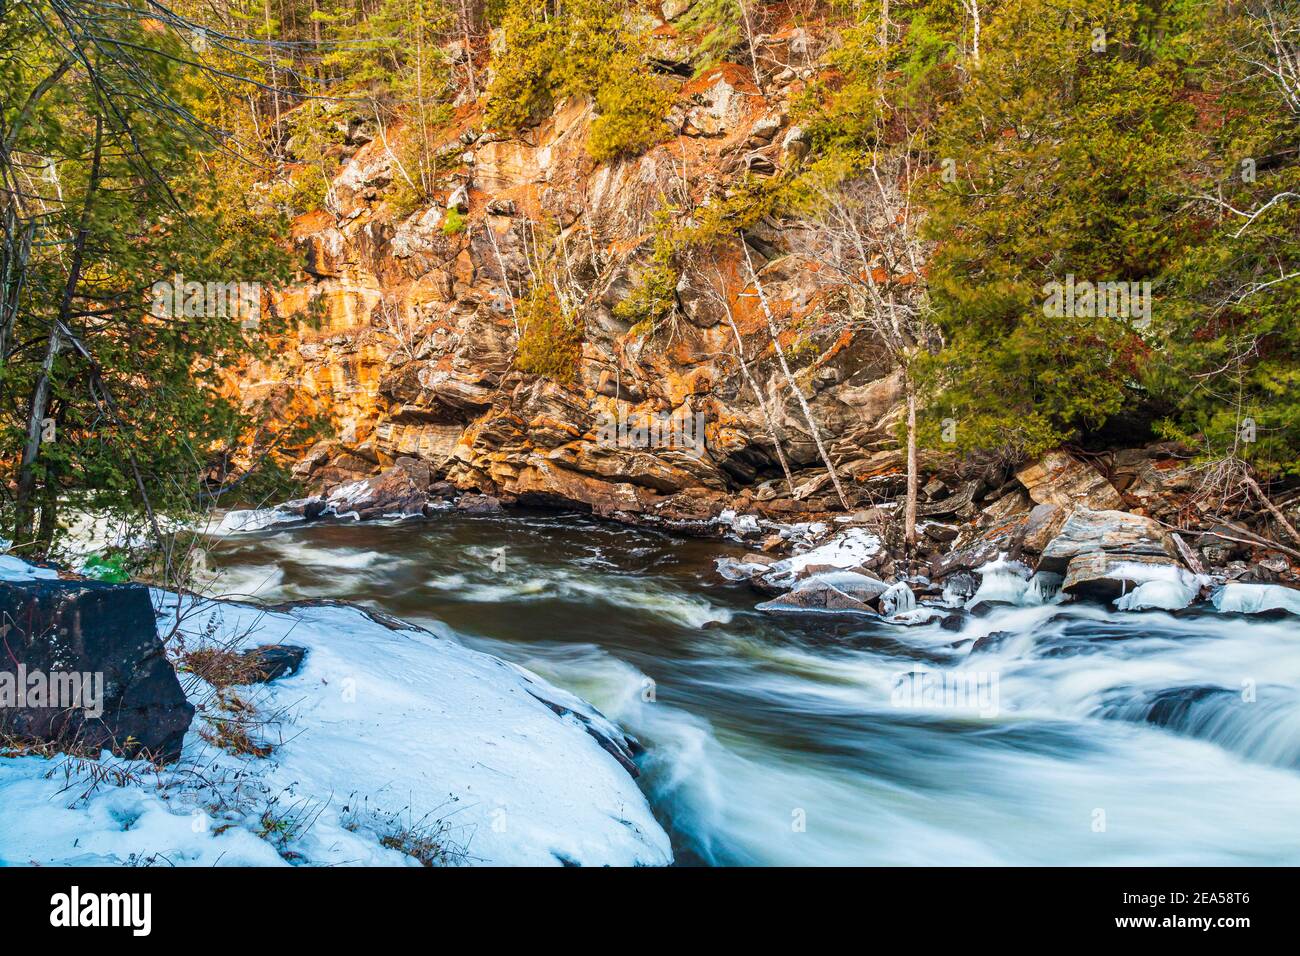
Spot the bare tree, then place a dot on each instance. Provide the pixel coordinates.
(717, 289)
(871, 255)
(774, 334)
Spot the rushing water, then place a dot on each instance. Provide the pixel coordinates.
(1087, 737)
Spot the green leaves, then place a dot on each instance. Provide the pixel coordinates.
(586, 51)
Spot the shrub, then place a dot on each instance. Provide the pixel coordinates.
(631, 110)
(550, 341)
(454, 222)
(582, 50)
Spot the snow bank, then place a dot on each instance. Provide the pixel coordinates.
(13, 569)
(386, 729)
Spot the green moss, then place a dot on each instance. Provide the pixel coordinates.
(454, 222)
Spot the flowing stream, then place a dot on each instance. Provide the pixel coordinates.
(1074, 735)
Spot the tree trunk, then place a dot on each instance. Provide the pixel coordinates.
(1273, 509)
(762, 404)
(23, 507)
(909, 514)
(774, 334)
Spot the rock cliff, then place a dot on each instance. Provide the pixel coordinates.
(411, 349)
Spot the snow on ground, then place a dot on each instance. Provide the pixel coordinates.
(12, 569)
(393, 735)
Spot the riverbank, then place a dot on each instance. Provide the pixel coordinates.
(387, 744)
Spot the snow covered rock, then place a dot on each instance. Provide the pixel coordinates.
(852, 548)
(833, 591)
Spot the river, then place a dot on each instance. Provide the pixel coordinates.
(1096, 737)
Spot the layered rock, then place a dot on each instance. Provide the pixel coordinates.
(410, 348)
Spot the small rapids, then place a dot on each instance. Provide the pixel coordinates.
(1038, 733)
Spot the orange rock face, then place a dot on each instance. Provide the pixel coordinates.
(404, 334)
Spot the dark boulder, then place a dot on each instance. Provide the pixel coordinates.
(102, 639)
(273, 661)
(478, 504)
(990, 642)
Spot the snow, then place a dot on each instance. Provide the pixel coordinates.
(385, 728)
(848, 549)
(1004, 581)
(233, 522)
(898, 600)
(1256, 598)
(13, 569)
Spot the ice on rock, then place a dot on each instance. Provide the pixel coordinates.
(1256, 598)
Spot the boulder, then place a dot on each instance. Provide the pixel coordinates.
(273, 661)
(1061, 479)
(478, 504)
(837, 591)
(402, 489)
(1105, 576)
(1044, 523)
(102, 636)
(1113, 532)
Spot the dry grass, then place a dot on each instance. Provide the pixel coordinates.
(221, 667)
(231, 728)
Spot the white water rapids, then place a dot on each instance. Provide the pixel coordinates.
(1073, 734)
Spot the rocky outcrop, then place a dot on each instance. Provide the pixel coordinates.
(1115, 533)
(93, 651)
(1060, 479)
(409, 352)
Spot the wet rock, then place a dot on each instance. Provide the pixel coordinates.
(399, 490)
(107, 631)
(842, 591)
(306, 508)
(986, 606)
(990, 642)
(478, 504)
(1173, 706)
(1105, 576)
